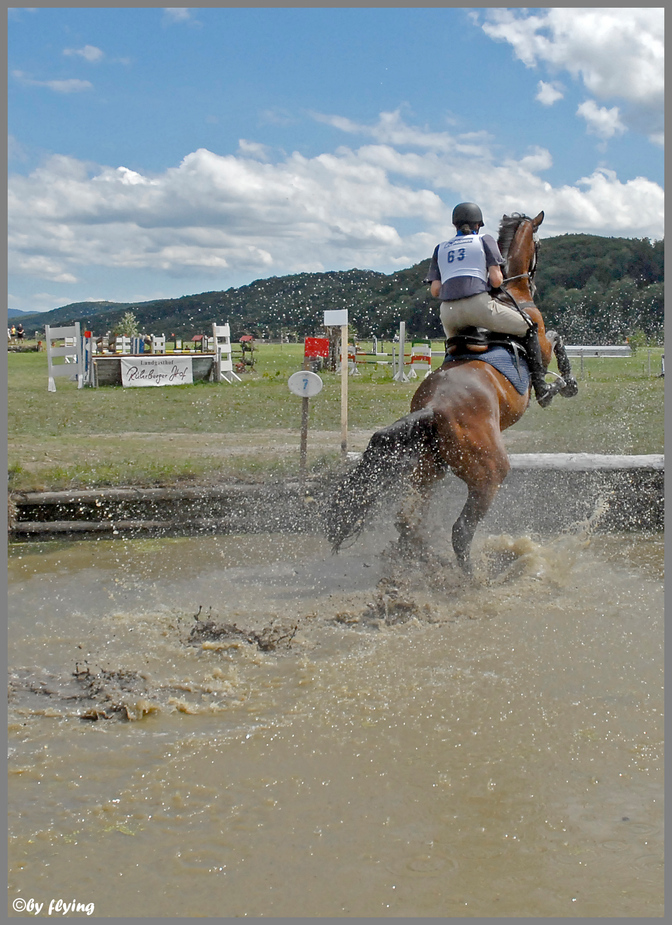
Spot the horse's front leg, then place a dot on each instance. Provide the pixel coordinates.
(571, 386)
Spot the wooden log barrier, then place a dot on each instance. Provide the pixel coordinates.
(549, 492)
(543, 492)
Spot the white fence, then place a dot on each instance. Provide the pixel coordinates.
(607, 350)
(221, 335)
(70, 351)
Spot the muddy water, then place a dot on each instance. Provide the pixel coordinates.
(374, 740)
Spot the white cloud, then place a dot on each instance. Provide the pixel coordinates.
(88, 52)
(547, 94)
(176, 14)
(245, 215)
(67, 86)
(392, 130)
(15, 12)
(606, 195)
(538, 160)
(15, 150)
(277, 117)
(254, 149)
(71, 85)
(601, 121)
(127, 177)
(44, 268)
(617, 53)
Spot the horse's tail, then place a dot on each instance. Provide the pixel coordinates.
(391, 452)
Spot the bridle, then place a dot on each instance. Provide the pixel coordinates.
(529, 275)
(533, 268)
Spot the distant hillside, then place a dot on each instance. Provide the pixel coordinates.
(590, 288)
(602, 290)
(74, 311)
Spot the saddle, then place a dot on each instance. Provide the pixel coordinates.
(480, 340)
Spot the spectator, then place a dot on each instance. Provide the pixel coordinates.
(19, 331)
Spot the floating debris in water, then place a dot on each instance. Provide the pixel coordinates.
(394, 602)
(110, 688)
(268, 639)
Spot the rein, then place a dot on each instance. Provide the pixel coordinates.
(510, 279)
(520, 305)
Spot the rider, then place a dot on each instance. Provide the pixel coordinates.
(462, 273)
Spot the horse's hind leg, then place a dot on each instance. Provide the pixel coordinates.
(465, 526)
(413, 510)
(484, 477)
(411, 544)
(571, 386)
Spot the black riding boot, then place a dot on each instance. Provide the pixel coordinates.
(543, 392)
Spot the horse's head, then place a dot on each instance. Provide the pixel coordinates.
(519, 245)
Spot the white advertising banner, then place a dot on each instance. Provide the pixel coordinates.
(156, 370)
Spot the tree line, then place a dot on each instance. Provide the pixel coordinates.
(602, 290)
(589, 288)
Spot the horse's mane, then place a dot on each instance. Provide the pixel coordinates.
(507, 229)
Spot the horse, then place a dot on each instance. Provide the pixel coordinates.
(455, 423)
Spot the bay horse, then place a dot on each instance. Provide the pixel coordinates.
(456, 421)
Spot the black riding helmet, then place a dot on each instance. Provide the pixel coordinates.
(467, 213)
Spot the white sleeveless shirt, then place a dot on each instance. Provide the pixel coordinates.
(463, 255)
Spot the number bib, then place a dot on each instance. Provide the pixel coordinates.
(463, 255)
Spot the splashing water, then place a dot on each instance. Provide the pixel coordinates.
(424, 744)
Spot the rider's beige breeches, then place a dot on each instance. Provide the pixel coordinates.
(481, 311)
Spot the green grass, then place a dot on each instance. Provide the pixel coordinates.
(114, 436)
(260, 401)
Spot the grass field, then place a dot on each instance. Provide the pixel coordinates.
(84, 438)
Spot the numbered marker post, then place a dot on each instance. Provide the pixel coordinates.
(305, 384)
(339, 317)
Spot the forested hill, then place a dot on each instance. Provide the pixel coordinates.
(589, 288)
(602, 290)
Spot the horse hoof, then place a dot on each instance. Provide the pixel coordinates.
(465, 566)
(550, 392)
(571, 388)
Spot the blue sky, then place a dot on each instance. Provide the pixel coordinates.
(160, 152)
